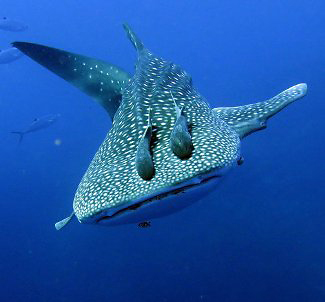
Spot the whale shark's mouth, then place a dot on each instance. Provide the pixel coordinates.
(153, 199)
(163, 202)
(160, 203)
(159, 197)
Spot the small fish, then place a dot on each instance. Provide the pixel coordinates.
(143, 159)
(12, 25)
(9, 55)
(38, 124)
(144, 224)
(180, 138)
(240, 160)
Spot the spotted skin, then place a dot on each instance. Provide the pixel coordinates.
(112, 183)
(112, 180)
(250, 118)
(99, 79)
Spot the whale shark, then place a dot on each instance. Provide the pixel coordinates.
(167, 148)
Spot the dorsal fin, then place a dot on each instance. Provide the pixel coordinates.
(101, 80)
(137, 43)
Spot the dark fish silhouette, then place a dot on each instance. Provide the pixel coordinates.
(144, 224)
(9, 55)
(38, 124)
(12, 25)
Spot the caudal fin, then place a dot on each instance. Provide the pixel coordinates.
(21, 135)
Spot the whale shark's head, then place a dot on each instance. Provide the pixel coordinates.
(112, 189)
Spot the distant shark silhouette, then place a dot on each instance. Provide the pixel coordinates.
(38, 124)
(165, 139)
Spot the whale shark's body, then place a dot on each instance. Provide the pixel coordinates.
(165, 139)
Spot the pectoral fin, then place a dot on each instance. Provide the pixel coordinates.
(250, 118)
(101, 80)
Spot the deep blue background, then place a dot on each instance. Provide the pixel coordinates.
(259, 237)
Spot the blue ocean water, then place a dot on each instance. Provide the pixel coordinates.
(259, 237)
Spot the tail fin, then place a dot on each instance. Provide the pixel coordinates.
(21, 135)
(133, 37)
